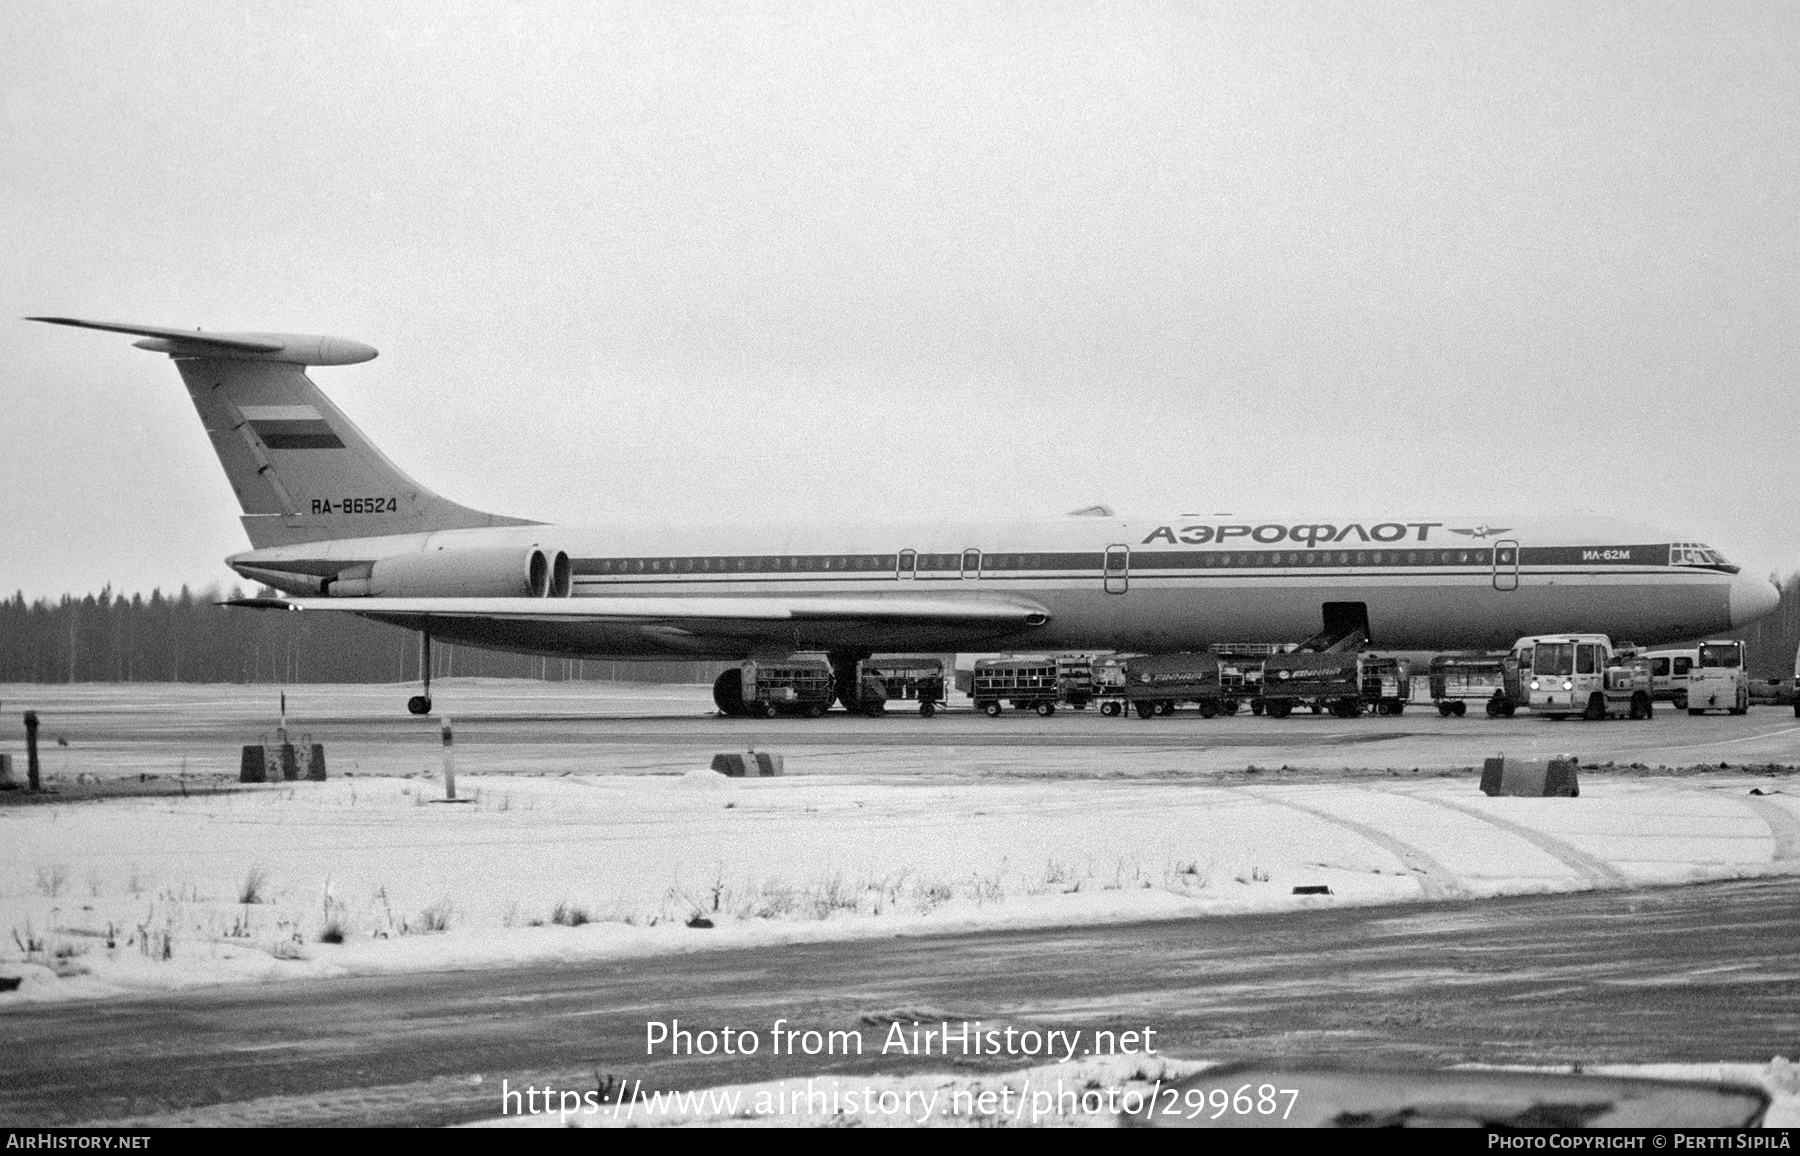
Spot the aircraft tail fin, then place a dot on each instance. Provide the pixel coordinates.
(302, 470)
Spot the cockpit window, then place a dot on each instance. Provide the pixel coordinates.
(1696, 554)
(1721, 657)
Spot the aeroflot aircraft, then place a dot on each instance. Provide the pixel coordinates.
(337, 526)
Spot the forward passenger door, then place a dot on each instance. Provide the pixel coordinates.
(1115, 574)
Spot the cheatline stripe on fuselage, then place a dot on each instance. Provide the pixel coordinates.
(1142, 563)
(1084, 577)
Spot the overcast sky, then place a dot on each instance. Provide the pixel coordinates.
(801, 261)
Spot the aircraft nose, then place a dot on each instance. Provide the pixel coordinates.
(1751, 598)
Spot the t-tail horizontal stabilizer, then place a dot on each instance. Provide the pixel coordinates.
(291, 348)
(301, 469)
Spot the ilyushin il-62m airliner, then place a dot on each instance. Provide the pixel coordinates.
(336, 526)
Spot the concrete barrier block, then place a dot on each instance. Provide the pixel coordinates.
(1560, 780)
(315, 763)
(253, 767)
(748, 764)
(6, 773)
(290, 762)
(1530, 778)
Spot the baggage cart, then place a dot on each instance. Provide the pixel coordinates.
(1026, 683)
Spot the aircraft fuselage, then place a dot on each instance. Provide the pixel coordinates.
(1105, 582)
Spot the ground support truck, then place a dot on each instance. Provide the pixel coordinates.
(1156, 684)
(1109, 684)
(1075, 677)
(1343, 682)
(1720, 679)
(1241, 673)
(1458, 680)
(1584, 674)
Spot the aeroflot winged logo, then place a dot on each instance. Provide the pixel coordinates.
(1304, 534)
(1482, 531)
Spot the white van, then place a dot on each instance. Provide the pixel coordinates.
(1669, 670)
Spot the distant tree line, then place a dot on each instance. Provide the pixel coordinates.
(186, 637)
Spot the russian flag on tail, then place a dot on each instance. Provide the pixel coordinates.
(291, 427)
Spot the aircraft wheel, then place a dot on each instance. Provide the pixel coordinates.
(419, 704)
(728, 693)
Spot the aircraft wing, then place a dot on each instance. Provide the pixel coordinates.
(944, 610)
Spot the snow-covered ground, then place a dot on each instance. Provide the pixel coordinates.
(161, 892)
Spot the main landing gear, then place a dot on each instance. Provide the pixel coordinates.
(421, 703)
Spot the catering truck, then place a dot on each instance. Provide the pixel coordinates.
(1584, 674)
